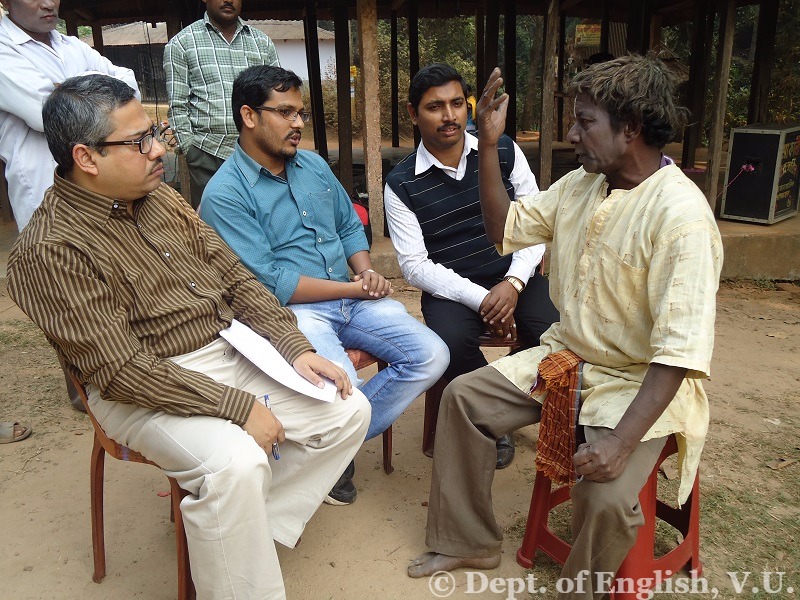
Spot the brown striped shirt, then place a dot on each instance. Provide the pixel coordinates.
(116, 295)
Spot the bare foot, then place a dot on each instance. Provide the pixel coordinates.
(429, 563)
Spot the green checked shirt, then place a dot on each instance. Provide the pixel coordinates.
(200, 67)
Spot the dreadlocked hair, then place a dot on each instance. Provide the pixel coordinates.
(638, 90)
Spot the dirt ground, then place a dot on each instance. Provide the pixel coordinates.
(749, 512)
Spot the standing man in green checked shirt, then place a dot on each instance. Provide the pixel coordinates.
(201, 63)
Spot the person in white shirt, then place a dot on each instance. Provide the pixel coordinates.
(35, 59)
(434, 217)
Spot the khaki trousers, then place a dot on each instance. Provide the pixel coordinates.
(476, 409)
(240, 499)
(202, 167)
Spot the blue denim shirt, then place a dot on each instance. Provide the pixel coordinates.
(280, 229)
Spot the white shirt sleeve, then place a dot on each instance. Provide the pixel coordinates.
(524, 262)
(95, 63)
(24, 87)
(419, 270)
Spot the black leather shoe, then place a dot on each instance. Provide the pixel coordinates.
(505, 451)
(344, 492)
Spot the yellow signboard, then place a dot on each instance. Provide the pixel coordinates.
(587, 34)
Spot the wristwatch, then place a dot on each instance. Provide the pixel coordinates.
(516, 282)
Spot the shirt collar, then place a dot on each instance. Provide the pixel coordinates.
(426, 160)
(97, 207)
(18, 36)
(252, 170)
(240, 24)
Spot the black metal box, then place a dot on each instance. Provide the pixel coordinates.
(764, 173)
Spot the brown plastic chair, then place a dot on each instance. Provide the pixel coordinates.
(362, 360)
(102, 445)
(433, 397)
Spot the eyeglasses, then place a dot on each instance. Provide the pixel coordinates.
(162, 132)
(287, 113)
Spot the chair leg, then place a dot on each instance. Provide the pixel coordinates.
(96, 468)
(387, 435)
(387, 451)
(186, 589)
(433, 398)
(537, 520)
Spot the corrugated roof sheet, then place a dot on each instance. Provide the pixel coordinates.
(140, 33)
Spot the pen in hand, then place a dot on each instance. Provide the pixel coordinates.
(276, 451)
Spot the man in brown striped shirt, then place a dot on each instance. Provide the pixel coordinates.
(132, 289)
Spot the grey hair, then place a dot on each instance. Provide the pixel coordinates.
(79, 112)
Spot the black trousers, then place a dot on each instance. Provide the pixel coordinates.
(460, 327)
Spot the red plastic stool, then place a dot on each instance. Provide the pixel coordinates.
(640, 562)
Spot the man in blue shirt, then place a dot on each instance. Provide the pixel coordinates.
(285, 214)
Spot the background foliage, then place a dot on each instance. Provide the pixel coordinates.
(453, 41)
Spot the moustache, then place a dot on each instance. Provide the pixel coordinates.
(447, 125)
(293, 133)
(159, 161)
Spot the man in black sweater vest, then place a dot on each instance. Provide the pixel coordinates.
(434, 217)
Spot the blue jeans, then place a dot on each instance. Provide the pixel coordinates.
(417, 357)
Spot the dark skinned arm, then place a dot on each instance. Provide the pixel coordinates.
(491, 124)
(605, 459)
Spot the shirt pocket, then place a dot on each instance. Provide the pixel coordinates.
(615, 289)
(320, 205)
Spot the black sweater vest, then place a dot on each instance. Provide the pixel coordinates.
(449, 212)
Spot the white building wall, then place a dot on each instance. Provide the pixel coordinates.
(292, 54)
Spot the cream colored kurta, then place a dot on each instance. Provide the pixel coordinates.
(634, 276)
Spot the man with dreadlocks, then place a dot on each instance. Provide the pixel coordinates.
(636, 258)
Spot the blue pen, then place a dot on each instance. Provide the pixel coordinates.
(276, 451)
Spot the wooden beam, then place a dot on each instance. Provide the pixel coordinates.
(315, 79)
(656, 22)
(510, 66)
(638, 38)
(762, 65)
(492, 33)
(368, 26)
(413, 50)
(341, 25)
(562, 28)
(97, 38)
(727, 19)
(71, 21)
(173, 25)
(696, 85)
(481, 76)
(605, 25)
(548, 94)
(395, 84)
